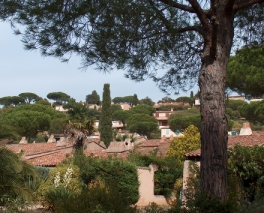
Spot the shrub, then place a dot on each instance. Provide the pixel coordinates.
(62, 180)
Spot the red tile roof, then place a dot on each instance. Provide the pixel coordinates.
(49, 160)
(257, 138)
(48, 154)
(36, 148)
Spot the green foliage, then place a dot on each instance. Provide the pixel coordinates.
(142, 123)
(27, 123)
(143, 128)
(105, 123)
(178, 123)
(147, 101)
(185, 99)
(79, 130)
(11, 100)
(97, 198)
(76, 111)
(38, 108)
(132, 100)
(183, 122)
(13, 172)
(7, 131)
(58, 97)
(93, 98)
(135, 100)
(115, 107)
(234, 104)
(153, 208)
(143, 109)
(121, 115)
(233, 114)
(43, 102)
(93, 113)
(168, 170)
(247, 164)
(166, 99)
(58, 125)
(109, 171)
(60, 184)
(253, 111)
(185, 113)
(245, 71)
(201, 203)
(30, 97)
(136, 118)
(183, 144)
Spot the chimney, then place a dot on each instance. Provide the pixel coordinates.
(246, 130)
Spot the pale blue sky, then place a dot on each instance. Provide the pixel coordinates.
(27, 71)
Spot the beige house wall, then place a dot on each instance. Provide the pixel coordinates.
(187, 174)
(146, 188)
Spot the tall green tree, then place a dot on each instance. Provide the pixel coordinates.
(245, 71)
(93, 98)
(29, 97)
(135, 100)
(188, 39)
(105, 122)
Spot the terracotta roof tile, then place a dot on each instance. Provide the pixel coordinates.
(257, 138)
(49, 160)
(35, 148)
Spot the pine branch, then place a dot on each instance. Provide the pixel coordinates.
(246, 4)
(200, 13)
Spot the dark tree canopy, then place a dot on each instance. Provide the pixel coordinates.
(11, 100)
(245, 71)
(122, 115)
(143, 109)
(29, 97)
(58, 97)
(115, 107)
(132, 100)
(147, 101)
(93, 98)
(173, 42)
(166, 99)
(185, 99)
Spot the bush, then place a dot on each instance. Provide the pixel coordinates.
(109, 171)
(62, 180)
(97, 198)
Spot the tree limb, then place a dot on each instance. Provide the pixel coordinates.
(244, 5)
(177, 5)
(200, 13)
(190, 28)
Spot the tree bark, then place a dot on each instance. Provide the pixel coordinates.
(214, 126)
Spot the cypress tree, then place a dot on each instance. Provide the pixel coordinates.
(105, 123)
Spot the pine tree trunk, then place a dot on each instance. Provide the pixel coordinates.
(214, 124)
